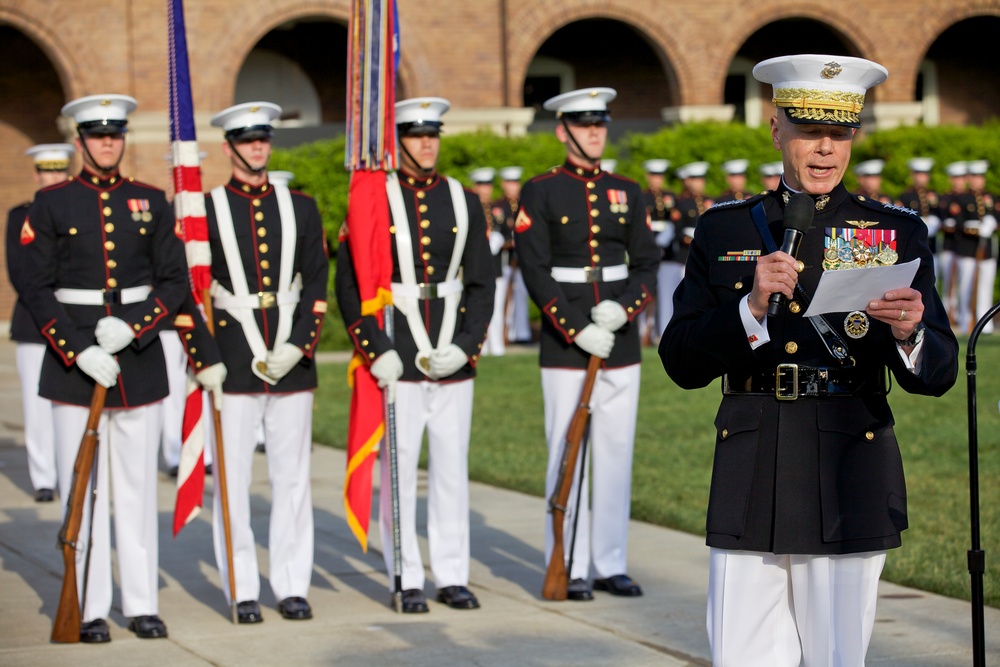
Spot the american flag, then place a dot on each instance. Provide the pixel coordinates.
(189, 208)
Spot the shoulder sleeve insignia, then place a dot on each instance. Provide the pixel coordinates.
(731, 202)
(27, 233)
(523, 222)
(901, 209)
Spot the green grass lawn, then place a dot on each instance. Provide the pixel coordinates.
(673, 456)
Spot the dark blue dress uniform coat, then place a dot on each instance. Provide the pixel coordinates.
(926, 203)
(431, 215)
(820, 474)
(576, 218)
(257, 225)
(108, 234)
(22, 325)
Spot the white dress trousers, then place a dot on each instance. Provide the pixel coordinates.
(39, 435)
(600, 545)
(767, 610)
(668, 277)
(173, 405)
(288, 429)
(946, 271)
(966, 283)
(518, 312)
(444, 410)
(127, 450)
(495, 345)
(986, 274)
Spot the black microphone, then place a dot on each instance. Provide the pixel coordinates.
(799, 212)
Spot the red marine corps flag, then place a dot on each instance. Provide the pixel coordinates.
(373, 53)
(189, 207)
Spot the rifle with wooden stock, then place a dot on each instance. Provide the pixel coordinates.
(66, 626)
(556, 577)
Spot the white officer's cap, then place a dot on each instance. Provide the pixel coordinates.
(656, 166)
(51, 157)
(587, 105)
(511, 173)
(772, 168)
(733, 167)
(869, 168)
(692, 170)
(978, 167)
(920, 164)
(483, 175)
(248, 121)
(101, 114)
(421, 115)
(814, 88)
(960, 168)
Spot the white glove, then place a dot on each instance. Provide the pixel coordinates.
(988, 226)
(496, 243)
(211, 379)
(446, 361)
(387, 369)
(666, 237)
(609, 315)
(282, 359)
(113, 334)
(596, 341)
(99, 365)
(971, 227)
(933, 224)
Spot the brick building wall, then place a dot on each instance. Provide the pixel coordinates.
(674, 54)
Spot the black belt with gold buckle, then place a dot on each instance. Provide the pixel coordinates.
(788, 382)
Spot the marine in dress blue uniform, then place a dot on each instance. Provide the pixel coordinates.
(517, 320)
(954, 260)
(269, 295)
(923, 200)
(807, 487)
(869, 175)
(440, 316)
(51, 162)
(104, 274)
(660, 204)
(736, 181)
(589, 261)
(986, 247)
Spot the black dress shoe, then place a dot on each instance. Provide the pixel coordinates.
(457, 597)
(148, 627)
(95, 632)
(579, 590)
(173, 471)
(208, 469)
(620, 584)
(248, 612)
(44, 496)
(295, 609)
(414, 602)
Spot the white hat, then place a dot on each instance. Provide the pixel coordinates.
(979, 167)
(733, 167)
(920, 164)
(51, 157)
(585, 105)
(656, 166)
(483, 175)
(421, 115)
(250, 120)
(772, 168)
(511, 173)
(280, 177)
(101, 114)
(820, 89)
(608, 165)
(693, 170)
(960, 168)
(869, 168)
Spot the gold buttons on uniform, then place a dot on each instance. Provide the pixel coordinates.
(364, 343)
(571, 332)
(552, 309)
(425, 240)
(591, 185)
(148, 318)
(594, 213)
(425, 256)
(564, 219)
(266, 280)
(106, 211)
(596, 258)
(142, 231)
(593, 243)
(392, 229)
(137, 327)
(422, 208)
(592, 197)
(256, 202)
(62, 342)
(595, 228)
(109, 245)
(112, 282)
(738, 285)
(105, 196)
(108, 227)
(258, 216)
(424, 224)
(223, 323)
(794, 306)
(791, 347)
(262, 247)
(562, 320)
(157, 310)
(799, 266)
(246, 188)
(70, 355)
(725, 433)
(869, 436)
(264, 264)
(72, 231)
(421, 194)
(430, 270)
(454, 230)
(262, 232)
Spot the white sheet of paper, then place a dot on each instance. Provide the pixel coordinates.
(851, 289)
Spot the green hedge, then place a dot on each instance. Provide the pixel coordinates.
(319, 167)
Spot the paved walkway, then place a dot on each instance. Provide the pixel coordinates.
(353, 623)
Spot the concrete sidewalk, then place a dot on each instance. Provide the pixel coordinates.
(353, 624)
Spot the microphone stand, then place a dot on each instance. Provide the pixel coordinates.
(976, 556)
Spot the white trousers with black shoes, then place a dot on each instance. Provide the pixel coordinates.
(768, 610)
(444, 411)
(288, 428)
(495, 345)
(600, 543)
(127, 450)
(986, 274)
(518, 311)
(173, 405)
(39, 433)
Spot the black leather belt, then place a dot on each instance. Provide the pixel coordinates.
(788, 382)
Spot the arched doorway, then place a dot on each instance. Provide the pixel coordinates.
(957, 80)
